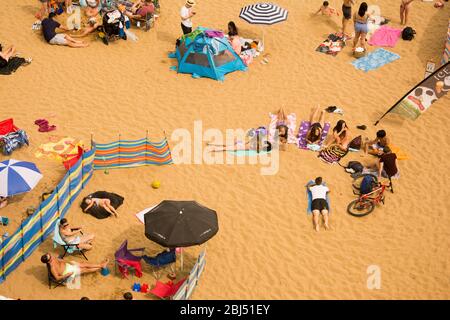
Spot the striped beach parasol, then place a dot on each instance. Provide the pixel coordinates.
(263, 14)
(17, 177)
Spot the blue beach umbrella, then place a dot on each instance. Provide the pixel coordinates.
(17, 177)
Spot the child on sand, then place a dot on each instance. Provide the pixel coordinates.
(327, 10)
(404, 11)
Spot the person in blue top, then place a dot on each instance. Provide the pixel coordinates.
(49, 27)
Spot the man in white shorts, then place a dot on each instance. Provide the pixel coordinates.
(49, 27)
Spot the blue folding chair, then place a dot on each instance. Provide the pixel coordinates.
(69, 248)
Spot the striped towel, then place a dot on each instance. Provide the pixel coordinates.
(332, 154)
(303, 130)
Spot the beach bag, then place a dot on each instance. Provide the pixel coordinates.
(368, 183)
(356, 143)
(408, 33)
(354, 167)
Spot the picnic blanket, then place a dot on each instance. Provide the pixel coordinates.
(100, 212)
(291, 124)
(13, 64)
(63, 149)
(303, 130)
(332, 45)
(375, 59)
(309, 197)
(385, 36)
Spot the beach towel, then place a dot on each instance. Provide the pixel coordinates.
(214, 34)
(13, 64)
(99, 212)
(247, 153)
(309, 197)
(303, 130)
(375, 60)
(13, 141)
(332, 154)
(64, 149)
(140, 215)
(332, 45)
(385, 36)
(401, 155)
(291, 124)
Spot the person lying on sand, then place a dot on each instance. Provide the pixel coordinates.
(69, 235)
(319, 203)
(49, 27)
(314, 134)
(8, 54)
(239, 145)
(62, 270)
(282, 128)
(327, 10)
(375, 147)
(103, 203)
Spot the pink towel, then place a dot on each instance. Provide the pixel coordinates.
(385, 36)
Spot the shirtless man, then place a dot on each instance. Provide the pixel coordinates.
(346, 15)
(376, 146)
(62, 270)
(404, 11)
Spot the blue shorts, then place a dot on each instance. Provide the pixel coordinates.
(361, 27)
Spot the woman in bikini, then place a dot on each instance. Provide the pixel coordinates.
(70, 235)
(361, 19)
(341, 134)
(314, 134)
(404, 11)
(103, 203)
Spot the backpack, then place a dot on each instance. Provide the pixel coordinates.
(408, 33)
(354, 167)
(368, 183)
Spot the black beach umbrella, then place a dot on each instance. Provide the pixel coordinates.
(180, 224)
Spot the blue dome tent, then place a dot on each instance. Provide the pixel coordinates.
(204, 55)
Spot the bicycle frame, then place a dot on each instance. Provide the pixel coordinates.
(370, 196)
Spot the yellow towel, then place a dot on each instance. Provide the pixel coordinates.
(401, 155)
(59, 150)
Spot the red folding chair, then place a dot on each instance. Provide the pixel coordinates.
(166, 290)
(7, 126)
(73, 159)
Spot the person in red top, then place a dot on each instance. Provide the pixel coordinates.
(140, 9)
(388, 164)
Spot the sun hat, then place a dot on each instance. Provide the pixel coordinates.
(190, 2)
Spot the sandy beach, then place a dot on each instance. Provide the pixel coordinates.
(266, 247)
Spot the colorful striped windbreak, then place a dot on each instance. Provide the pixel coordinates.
(446, 56)
(131, 153)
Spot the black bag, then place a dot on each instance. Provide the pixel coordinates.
(354, 167)
(408, 33)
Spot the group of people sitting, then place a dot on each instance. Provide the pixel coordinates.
(111, 17)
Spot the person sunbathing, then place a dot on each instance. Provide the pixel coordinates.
(282, 128)
(69, 235)
(341, 135)
(319, 204)
(375, 147)
(8, 54)
(103, 203)
(314, 134)
(66, 271)
(239, 145)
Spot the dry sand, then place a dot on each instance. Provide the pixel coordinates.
(266, 247)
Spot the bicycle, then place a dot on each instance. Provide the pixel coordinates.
(365, 203)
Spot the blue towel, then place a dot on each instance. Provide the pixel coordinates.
(245, 153)
(375, 59)
(309, 197)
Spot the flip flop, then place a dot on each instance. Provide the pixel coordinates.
(46, 128)
(40, 121)
(362, 127)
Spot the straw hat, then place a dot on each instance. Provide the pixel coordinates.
(92, 3)
(190, 2)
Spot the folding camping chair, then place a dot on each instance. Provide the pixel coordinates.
(124, 254)
(52, 279)
(145, 23)
(161, 260)
(68, 247)
(166, 290)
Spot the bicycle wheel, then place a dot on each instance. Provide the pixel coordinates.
(360, 208)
